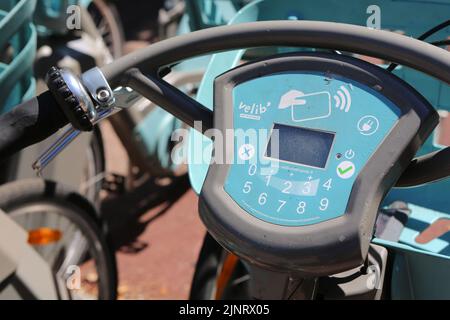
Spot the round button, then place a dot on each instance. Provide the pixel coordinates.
(368, 125)
(246, 151)
(345, 169)
(349, 154)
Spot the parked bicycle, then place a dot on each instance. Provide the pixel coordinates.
(57, 246)
(221, 275)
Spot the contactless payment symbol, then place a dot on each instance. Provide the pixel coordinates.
(345, 169)
(306, 107)
(316, 105)
(343, 99)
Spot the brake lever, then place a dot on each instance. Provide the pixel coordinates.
(68, 135)
(124, 98)
(105, 101)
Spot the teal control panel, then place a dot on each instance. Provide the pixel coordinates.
(300, 141)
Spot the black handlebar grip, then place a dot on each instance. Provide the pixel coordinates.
(29, 123)
(70, 104)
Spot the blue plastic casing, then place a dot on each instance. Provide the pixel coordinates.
(292, 194)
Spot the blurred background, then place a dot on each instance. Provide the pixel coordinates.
(156, 251)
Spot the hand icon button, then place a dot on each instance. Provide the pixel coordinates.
(368, 125)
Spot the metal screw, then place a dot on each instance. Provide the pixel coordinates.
(103, 95)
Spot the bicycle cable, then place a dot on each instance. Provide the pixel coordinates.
(426, 35)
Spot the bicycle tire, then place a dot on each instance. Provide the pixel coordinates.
(206, 272)
(113, 36)
(21, 194)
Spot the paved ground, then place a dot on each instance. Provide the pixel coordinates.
(157, 233)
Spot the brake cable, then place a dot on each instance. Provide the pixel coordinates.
(427, 168)
(423, 37)
(441, 43)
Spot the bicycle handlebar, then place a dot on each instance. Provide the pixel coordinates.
(38, 118)
(29, 123)
(428, 168)
(381, 44)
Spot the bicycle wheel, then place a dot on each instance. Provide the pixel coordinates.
(64, 229)
(108, 23)
(218, 274)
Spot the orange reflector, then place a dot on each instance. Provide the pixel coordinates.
(435, 230)
(225, 274)
(43, 236)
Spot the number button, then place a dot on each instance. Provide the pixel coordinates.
(247, 187)
(252, 170)
(268, 178)
(282, 203)
(323, 204)
(306, 190)
(327, 184)
(262, 199)
(301, 208)
(287, 187)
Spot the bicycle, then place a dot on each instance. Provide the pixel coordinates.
(221, 275)
(99, 40)
(290, 254)
(75, 260)
(44, 209)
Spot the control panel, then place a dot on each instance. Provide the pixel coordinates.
(300, 141)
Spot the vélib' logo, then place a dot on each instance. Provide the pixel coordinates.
(253, 111)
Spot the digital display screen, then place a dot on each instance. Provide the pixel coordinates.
(300, 145)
